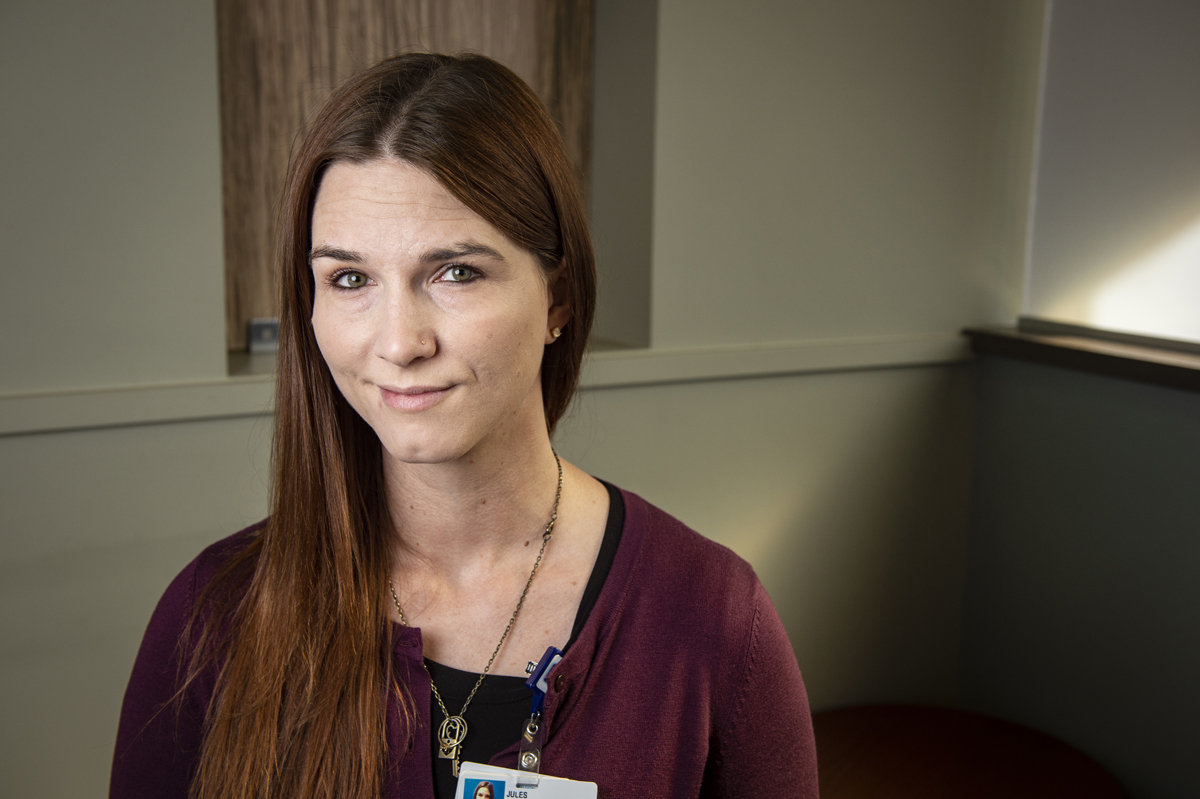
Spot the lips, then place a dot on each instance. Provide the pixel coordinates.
(414, 398)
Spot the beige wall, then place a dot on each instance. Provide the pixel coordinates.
(95, 524)
(1115, 240)
(846, 169)
(825, 172)
(111, 198)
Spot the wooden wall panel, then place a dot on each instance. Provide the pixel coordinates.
(279, 59)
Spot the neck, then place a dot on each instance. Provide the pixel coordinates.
(475, 510)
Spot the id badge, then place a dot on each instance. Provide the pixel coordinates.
(480, 781)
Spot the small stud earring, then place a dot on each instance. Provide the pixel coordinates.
(556, 332)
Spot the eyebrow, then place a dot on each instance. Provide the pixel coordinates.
(441, 254)
(461, 249)
(336, 253)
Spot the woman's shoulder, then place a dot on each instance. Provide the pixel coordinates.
(683, 597)
(213, 559)
(150, 737)
(177, 602)
(672, 548)
(176, 609)
(665, 569)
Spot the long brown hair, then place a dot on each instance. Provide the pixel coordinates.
(296, 626)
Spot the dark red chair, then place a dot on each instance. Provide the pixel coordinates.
(902, 751)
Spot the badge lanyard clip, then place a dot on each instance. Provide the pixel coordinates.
(529, 761)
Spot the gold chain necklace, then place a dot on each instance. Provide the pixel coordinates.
(453, 731)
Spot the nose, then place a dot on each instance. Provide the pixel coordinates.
(404, 332)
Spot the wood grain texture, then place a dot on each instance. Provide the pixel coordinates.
(279, 60)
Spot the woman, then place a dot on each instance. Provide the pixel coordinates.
(425, 541)
(484, 790)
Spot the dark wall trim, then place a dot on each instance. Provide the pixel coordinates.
(1037, 326)
(1114, 359)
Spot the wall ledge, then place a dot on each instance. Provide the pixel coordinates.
(615, 369)
(1127, 361)
(253, 394)
(135, 405)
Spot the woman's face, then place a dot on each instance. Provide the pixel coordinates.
(432, 322)
(484, 791)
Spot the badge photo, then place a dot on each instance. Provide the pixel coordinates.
(483, 789)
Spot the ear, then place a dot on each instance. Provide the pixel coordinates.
(560, 305)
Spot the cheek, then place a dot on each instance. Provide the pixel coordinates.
(337, 340)
(513, 343)
(321, 330)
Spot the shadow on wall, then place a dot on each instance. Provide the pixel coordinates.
(870, 560)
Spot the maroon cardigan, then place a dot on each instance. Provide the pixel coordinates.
(682, 683)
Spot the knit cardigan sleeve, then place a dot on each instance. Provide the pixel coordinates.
(160, 729)
(158, 738)
(768, 748)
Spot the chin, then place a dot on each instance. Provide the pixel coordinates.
(424, 443)
(415, 449)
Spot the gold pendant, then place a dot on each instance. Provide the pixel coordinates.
(451, 734)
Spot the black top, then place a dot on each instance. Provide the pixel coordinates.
(501, 705)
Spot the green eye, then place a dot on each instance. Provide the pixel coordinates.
(460, 274)
(350, 280)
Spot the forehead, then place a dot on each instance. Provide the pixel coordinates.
(387, 189)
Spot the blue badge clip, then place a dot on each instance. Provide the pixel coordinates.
(538, 675)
